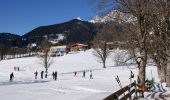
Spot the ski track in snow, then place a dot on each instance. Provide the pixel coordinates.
(88, 89)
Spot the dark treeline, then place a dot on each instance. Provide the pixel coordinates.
(14, 52)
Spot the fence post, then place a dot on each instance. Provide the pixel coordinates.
(136, 94)
(129, 88)
(115, 97)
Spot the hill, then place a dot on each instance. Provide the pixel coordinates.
(67, 87)
(74, 31)
(11, 40)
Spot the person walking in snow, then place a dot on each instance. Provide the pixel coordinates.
(11, 76)
(42, 74)
(84, 73)
(55, 75)
(91, 75)
(46, 75)
(75, 74)
(36, 74)
(14, 68)
(18, 68)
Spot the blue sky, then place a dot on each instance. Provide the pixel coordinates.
(21, 16)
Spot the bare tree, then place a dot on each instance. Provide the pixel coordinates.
(45, 58)
(159, 45)
(151, 34)
(101, 44)
(163, 27)
(140, 9)
(120, 57)
(101, 51)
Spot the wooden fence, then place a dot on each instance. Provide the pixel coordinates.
(128, 92)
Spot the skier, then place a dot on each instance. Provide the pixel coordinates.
(14, 68)
(18, 68)
(84, 73)
(42, 74)
(91, 75)
(36, 73)
(46, 75)
(75, 74)
(55, 75)
(11, 76)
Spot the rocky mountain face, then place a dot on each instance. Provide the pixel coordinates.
(114, 15)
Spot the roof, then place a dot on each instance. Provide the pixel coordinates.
(79, 44)
(64, 46)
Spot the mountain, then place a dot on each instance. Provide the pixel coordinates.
(11, 40)
(75, 30)
(114, 15)
(69, 32)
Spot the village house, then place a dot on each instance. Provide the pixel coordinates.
(58, 50)
(78, 47)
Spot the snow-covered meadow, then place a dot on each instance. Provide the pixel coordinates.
(67, 87)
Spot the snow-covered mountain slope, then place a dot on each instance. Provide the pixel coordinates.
(114, 15)
(67, 87)
(59, 38)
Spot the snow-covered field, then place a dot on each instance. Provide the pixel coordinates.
(67, 87)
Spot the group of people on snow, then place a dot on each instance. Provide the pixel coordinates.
(84, 74)
(54, 74)
(16, 68)
(42, 74)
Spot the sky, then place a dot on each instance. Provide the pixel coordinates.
(22, 16)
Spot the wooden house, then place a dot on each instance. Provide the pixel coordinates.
(78, 47)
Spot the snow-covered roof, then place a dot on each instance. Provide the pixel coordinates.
(79, 18)
(53, 47)
(79, 44)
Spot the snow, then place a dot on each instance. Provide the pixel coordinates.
(114, 15)
(67, 87)
(60, 37)
(79, 18)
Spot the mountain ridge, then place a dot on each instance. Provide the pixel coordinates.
(75, 30)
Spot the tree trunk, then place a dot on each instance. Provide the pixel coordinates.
(142, 67)
(142, 72)
(104, 54)
(161, 69)
(158, 70)
(163, 75)
(142, 76)
(46, 72)
(168, 75)
(104, 64)
(163, 72)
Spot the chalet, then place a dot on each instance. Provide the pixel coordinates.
(78, 47)
(58, 50)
